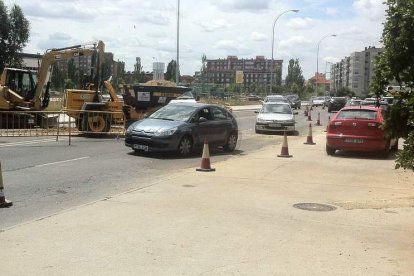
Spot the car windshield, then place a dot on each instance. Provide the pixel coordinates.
(357, 114)
(174, 112)
(277, 108)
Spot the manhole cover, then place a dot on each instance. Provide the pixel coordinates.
(314, 207)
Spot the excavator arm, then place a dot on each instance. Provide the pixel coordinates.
(54, 55)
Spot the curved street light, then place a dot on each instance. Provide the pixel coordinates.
(177, 64)
(273, 43)
(317, 61)
(317, 52)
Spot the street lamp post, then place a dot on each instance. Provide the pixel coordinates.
(317, 59)
(273, 43)
(177, 64)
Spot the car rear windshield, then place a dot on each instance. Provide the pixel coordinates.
(357, 114)
(277, 108)
(174, 112)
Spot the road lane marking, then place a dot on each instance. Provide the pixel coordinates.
(60, 162)
(24, 143)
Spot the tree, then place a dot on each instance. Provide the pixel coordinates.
(73, 73)
(14, 34)
(138, 73)
(57, 79)
(396, 64)
(294, 75)
(170, 74)
(345, 92)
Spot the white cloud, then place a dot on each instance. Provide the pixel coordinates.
(217, 28)
(301, 23)
(256, 36)
(295, 41)
(373, 9)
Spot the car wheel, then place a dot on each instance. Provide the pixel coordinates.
(231, 142)
(385, 152)
(330, 150)
(185, 146)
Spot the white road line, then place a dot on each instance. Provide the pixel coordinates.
(64, 161)
(23, 143)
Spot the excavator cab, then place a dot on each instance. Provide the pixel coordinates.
(21, 82)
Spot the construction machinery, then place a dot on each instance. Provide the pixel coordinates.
(25, 91)
(138, 100)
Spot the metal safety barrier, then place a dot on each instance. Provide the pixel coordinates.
(61, 123)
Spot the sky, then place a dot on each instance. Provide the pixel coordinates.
(216, 28)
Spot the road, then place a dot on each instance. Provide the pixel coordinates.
(43, 176)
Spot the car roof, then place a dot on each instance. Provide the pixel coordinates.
(361, 107)
(276, 103)
(195, 104)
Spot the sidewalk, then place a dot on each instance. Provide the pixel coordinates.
(238, 220)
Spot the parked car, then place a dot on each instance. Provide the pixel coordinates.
(353, 102)
(318, 101)
(182, 127)
(336, 103)
(295, 101)
(253, 97)
(275, 117)
(276, 98)
(375, 102)
(357, 128)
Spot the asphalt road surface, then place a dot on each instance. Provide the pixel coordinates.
(43, 176)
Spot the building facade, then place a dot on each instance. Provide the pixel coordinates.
(355, 72)
(246, 72)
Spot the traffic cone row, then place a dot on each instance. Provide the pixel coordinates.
(310, 115)
(205, 159)
(305, 112)
(309, 138)
(285, 149)
(4, 203)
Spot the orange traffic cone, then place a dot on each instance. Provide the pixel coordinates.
(4, 203)
(309, 139)
(205, 159)
(285, 150)
(310, 115)
(318, 122)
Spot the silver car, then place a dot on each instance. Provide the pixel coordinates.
(275, 117)
(183, 127)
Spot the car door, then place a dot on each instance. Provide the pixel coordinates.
(203, 126)
(222, 125)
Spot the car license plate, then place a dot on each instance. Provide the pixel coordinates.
(354, 141)
(275, 125)
(140, 147)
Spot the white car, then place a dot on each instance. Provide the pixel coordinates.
(318, 101)
(275, 117)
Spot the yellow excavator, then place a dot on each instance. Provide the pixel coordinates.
(26, 91)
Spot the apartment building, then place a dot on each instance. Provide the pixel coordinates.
(247, 72)
(355, 71)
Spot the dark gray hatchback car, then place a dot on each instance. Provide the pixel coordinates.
(182, 127)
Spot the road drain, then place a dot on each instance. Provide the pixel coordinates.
(314, 207)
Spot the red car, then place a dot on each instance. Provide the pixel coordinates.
(357, 128)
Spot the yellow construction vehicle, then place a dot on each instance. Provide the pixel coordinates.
(138, 100)
(25, 90)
